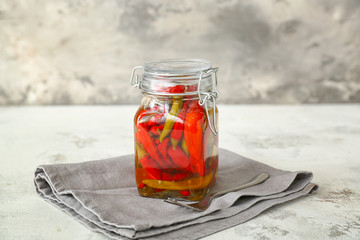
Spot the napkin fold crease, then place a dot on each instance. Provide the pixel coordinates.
(102, 195)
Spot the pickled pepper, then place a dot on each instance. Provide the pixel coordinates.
(149, 119)
(151, 167)
(143, 137)
(190, 184)
(155, 120)
(140, 151)
(174, 111)
(193, 135)
(178, 128)
(162, 147)
(170, 119)
(179, 158)
(176, 89)
(156, 130)
(184, 147)
(174, 177)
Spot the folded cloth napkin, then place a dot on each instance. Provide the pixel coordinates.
(102, 195)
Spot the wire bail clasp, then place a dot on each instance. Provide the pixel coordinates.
(204, 97)
(135, 83)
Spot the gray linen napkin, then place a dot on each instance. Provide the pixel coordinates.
(102, 195)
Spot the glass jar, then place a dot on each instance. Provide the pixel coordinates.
(176, 138)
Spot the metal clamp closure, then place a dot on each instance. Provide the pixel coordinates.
(204, 97)
(135, 83)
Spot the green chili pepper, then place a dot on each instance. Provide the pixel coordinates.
(184, 147)
(140, 150)
(170, 119)
(178, 127)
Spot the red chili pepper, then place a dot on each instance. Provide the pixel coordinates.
(184, 193)
(156, 130)
(156, 120)
(162, 147)
(174, 177)
(147, 142)
(143, 117)
(166, 176)
(178, 127)
(141, 185)
(159, 190)
(214, 165)
(193, 135)
(175, 89)
(192, 88)
(180, 176)
(179, 158)
(149, 118)
(151, 167)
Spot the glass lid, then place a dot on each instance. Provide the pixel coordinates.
(178, 66)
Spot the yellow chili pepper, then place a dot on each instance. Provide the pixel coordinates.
(170, 119)
(190, 184)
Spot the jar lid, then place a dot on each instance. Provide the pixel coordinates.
(178, 66)
(160, 76)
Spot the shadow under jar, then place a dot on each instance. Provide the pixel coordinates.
(175, 127)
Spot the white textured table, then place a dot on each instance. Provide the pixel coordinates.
(322, 139)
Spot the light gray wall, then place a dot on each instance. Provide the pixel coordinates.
(82, 52)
